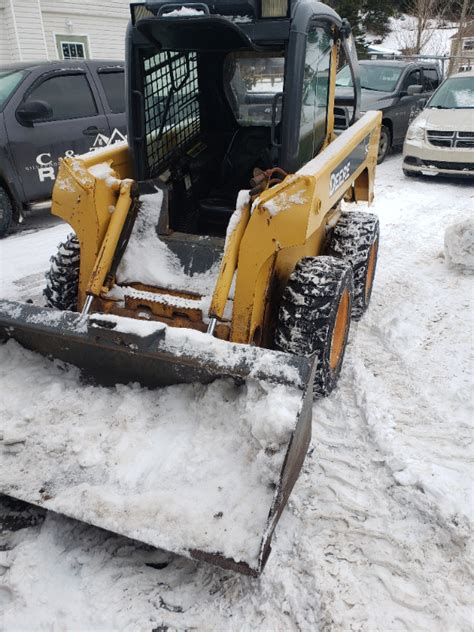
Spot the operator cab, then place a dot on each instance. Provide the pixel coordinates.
(220, 90)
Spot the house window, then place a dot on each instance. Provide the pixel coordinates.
(468, 44)
(72, 50)
(72, 46)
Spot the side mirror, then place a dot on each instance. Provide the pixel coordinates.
(34, 111)
(345, 100)
(412, 90)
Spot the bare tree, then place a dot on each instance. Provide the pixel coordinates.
(425, 18)
(456, 50)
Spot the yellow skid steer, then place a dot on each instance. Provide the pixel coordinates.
(211, 248)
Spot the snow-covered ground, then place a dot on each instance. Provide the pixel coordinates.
(376, 536)
(435, 40)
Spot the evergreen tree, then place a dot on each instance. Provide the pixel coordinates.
(375, 16)
(350, 9)
(365, 15)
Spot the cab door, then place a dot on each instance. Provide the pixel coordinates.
(314, 106)
(69, 120)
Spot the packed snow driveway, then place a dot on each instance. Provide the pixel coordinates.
(377, 533)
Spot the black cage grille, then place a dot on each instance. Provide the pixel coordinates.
(171, 96)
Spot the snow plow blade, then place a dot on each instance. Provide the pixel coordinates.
(223, 499)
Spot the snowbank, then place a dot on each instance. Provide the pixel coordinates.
(436, 39)
(24, 261)
(459, 245)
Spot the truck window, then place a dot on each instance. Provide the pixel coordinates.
(69, 96)
(431, 79)
(315, 93)
(114, 88)
(413, 79)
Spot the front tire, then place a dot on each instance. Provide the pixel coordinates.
(62, 280)
(385, 143)
(314, 316)
(6, 212)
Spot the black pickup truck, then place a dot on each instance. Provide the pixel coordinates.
(400, 89)
(48, 110)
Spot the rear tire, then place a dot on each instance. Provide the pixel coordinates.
(6, 212)
(62, 280)
(355, 239)
(314, 316)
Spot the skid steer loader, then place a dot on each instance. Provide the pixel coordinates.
(213, 244)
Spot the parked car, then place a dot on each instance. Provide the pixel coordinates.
(440, 141)
(400, 89)
(48, 110)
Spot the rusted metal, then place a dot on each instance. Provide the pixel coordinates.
(263, 180)
(152, 303)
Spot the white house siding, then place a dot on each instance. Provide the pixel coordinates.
(104, 24)
(29, 29)
(5, 56)
(9, 50)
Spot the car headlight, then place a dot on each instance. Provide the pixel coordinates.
(416, 132)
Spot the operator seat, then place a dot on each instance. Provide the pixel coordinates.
(249, 147)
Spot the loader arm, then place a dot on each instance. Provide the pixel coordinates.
(288, 222)
(95, 207)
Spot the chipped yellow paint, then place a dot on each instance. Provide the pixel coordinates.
(84, 202)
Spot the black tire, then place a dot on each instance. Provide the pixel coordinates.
(355, 239)
(385, 144)
(62, 280)
(314, 316)
(6, 212)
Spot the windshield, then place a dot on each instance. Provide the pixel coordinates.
(372, 77)
(9, 80)
(456, 93)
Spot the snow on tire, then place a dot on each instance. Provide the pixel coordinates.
(314, 316)
(355, 239)
(6, 212)
(62, 280)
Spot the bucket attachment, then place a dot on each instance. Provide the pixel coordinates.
(210, 487)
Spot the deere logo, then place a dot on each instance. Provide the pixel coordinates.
(339, 177)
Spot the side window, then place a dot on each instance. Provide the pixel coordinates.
(313, 119)
(413, 79)
(114, 88)
(69, 96)
(431, 79)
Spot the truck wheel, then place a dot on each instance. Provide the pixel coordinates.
(314, 316)
(6, 212)
(384, 144)
(355, 239)
(62, 280)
